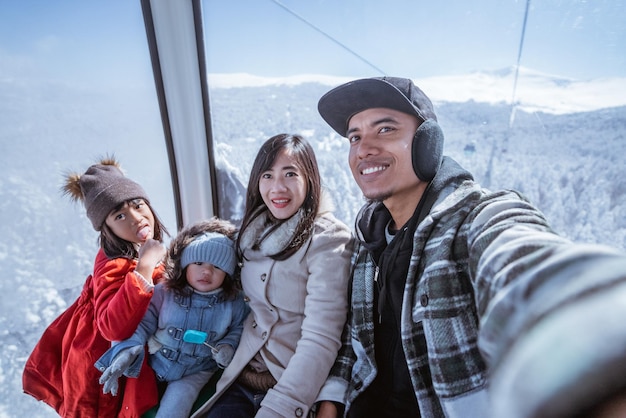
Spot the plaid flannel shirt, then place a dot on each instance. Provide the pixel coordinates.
(473, 246)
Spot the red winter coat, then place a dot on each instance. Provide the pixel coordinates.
(60, 371)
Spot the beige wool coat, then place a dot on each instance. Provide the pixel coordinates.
(298, 309)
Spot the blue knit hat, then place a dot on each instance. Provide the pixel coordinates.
(212, 248)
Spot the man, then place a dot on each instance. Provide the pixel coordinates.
(453, 285)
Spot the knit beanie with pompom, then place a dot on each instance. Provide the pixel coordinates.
(101, 189)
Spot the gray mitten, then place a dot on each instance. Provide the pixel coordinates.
(223, 354)
(119, 365)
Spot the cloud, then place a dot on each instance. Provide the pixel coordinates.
(48, 44)
(535, 91)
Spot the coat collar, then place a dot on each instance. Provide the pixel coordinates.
(273, 241)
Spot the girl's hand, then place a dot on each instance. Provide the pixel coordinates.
(150, 253)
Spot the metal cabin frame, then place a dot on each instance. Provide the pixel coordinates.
(176, 43)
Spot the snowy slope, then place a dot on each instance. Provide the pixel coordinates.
(535, 91)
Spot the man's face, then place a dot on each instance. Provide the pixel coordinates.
(380, 153)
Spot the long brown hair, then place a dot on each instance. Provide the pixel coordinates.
(115, 246)
(297, 147)
(175, 275)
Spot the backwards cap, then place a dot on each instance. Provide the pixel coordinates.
(341, 103)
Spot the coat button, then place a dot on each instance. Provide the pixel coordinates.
(264, 335)
(263, 277)
(424, 300)
(299, 412)
(254, 324)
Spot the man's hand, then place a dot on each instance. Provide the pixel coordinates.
(119, 365)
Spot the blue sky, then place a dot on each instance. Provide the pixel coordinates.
(415, 38)
(419, 38)
(73, 40)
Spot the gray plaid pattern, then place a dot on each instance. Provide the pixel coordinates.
(467, 249)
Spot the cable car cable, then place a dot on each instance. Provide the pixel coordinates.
(519, 59)
(500, 147)
(329, 37)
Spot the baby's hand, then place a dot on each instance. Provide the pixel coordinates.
(223, 355)
(119, 365)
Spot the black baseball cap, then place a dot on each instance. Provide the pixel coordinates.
(341, 103)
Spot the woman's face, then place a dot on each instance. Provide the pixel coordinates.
(283, 187)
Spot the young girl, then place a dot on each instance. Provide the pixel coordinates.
(114, 298)
(194, 321)
(295, 264)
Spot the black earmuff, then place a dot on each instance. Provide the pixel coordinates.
(427, 150)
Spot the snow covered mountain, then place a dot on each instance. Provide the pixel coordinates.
(534, 91)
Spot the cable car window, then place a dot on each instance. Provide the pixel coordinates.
(76, 84)
(530, 95)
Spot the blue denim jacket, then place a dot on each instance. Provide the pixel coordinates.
(164, 324)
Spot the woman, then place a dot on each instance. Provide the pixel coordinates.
(295, 258)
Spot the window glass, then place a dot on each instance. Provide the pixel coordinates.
(530, 95)
(76, 85)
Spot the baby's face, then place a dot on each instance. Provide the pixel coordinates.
(204, 277)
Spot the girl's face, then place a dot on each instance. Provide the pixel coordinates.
(204, 277)
(283, 187)
(133, 222)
